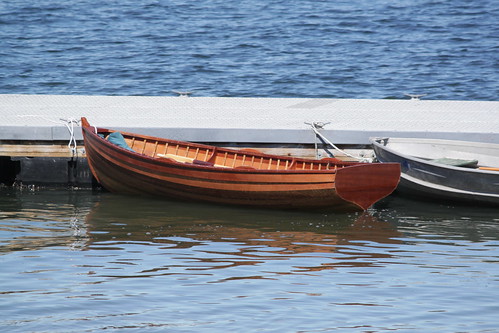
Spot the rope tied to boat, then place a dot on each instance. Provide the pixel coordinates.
(319, 125)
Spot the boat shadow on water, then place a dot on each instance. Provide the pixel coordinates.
(116, 220)
(440, 219)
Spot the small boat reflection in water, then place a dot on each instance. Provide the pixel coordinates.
(255, 235)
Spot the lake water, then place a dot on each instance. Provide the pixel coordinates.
(282, 48)
(83, 261)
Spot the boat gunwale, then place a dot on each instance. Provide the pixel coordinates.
(211, 168)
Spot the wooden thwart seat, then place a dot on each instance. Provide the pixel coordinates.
(183, 159)
(488, 168)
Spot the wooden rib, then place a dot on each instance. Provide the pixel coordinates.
(155, 148)
(197, 152)
(234, 162)
(144, 146)
(133, 142)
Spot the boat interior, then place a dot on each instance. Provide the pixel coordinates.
(192, 153)
(460, 154)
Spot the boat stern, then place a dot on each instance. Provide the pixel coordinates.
(366, 184)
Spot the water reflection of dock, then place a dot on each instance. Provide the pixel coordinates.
(32, 220)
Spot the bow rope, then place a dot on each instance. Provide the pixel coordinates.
(69, 123)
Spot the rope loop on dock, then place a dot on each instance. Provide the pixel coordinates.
(70, 124)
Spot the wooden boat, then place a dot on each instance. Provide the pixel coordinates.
(182, 170)
(445, 169)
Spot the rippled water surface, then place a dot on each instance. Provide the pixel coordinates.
(82, 261)
(347, 49)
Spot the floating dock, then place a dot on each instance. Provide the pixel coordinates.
(41, 142)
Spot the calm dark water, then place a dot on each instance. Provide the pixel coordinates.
(342, 49)
(81, 261)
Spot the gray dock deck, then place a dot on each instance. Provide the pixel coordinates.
(259, 120)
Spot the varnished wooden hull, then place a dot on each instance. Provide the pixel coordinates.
(239, 178)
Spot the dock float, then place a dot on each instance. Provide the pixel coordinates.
(41, 141)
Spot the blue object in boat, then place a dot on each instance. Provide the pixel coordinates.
(118, 139)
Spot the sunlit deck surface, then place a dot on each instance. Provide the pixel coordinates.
(248, 120)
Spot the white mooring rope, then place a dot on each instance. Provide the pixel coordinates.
(69, 123)
(315, 127)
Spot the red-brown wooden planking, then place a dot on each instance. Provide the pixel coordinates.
(238, 177)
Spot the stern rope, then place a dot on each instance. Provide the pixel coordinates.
(315, 127)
